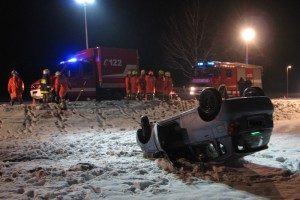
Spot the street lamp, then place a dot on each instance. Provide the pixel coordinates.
(84, 3)
(248, 35)
(287, 80)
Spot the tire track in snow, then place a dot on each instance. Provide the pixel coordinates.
(60, 122)
(100, 118)
(27, 122)
(125, 113)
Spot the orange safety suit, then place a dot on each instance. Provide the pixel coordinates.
(127, 84)
(15, 87)
(150, 84)
(142, 84)
(159, 86)
(62, 86)
(134, 84)
(168, 85)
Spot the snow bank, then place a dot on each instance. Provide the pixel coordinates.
(90, 152)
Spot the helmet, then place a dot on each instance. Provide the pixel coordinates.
(129, 72)
(150, 72)
(57, 73)
(168, 74)
(161, 72)
(143, 72)
(14, 72)
(46, 71)
(134, 72)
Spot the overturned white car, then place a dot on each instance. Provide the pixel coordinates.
(218, 130)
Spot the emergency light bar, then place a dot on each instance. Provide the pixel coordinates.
(69, 61)
(72, 60)
(205, 64)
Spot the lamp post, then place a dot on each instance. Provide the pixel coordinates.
(248, 35)
(287, 80)
(84, 3)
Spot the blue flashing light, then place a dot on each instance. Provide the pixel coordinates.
(203, 64)
(72, 60)
(62, 62)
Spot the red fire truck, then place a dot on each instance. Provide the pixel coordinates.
(224, 76)
(96, 73)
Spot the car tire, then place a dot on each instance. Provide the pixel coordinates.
(253, 92)
(210, 101)
(144, 134)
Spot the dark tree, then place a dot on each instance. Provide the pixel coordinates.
(190, 36)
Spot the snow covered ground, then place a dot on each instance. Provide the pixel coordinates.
(90, 152)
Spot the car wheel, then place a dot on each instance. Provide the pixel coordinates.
(253, 92)
(144, 134)
(210, 101)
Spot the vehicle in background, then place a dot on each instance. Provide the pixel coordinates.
(223, 76)
(96, 73)
(35, 91)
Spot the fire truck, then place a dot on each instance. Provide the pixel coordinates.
(95, 73)
(224, 76)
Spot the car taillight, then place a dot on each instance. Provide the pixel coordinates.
(231, 130)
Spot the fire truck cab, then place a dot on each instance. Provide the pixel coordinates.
(224, 76)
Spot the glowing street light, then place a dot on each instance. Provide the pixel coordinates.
(248, 35)
(287, 80)
(84, 3)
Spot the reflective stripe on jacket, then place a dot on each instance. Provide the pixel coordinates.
(45, 84)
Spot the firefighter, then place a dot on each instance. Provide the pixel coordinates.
(62, 86)
(159, 85)
(241, 85)
(45, 86)
(142, 85)
(15, 88)
(150, 85)
(127, 84)
(168, 86)
(133, 85)
(248, 83)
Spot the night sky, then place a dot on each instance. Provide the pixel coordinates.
(38, 34)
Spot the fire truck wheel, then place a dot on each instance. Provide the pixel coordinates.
(210, 101)
(253, 91)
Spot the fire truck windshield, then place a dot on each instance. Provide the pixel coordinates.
(73, 68)
(203, 72)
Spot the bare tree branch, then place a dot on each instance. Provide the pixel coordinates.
(189, 37)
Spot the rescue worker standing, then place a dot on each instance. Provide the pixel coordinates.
(62, 86)
(159, 85)
(45, 86)
(241, 86)
(15, 87)
(142, 85)
(150, 85)
(168, 86)
(127, 84)
(133, 85)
